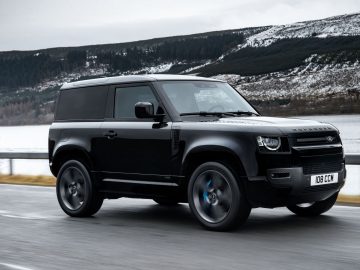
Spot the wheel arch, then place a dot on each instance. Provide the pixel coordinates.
(205, 153)
(68, 152)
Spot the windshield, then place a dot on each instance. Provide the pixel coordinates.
(199, 97)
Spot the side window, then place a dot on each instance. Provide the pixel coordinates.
(82, 104)
(127, 97)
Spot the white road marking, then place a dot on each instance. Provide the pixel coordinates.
(20, 217)
(7, 214)
(14, 266)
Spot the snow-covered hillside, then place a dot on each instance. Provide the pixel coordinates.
(306, 60)
(310, 81)
(344, 25)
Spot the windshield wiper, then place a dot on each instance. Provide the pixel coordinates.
(202, 113)
(243, 112)
(235, 113)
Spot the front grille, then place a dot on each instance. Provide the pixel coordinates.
(321, 138)
(322, 188)
(318, 140)
(323, 164)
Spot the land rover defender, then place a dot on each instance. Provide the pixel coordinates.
(186, 139)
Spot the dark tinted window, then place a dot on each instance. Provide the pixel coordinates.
(82, 104)
(127, 97)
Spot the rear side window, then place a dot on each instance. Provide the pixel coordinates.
(127, 97)
(82, 104)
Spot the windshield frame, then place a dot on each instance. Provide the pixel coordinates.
(175, 115)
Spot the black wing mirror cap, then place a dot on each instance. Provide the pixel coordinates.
(144, 110)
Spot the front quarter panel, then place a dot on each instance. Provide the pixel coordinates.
(241, 145)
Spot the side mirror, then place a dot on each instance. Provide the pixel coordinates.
(144, 110)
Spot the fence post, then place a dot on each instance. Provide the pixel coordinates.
(11, 171)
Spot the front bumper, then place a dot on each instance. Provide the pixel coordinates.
(283, 186)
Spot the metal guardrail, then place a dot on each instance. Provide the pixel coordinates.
(21, 155)
(350, 159)
(24, 155)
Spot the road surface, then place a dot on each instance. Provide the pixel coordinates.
(138, 234)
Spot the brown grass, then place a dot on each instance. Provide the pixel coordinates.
(33, 180)
(347, 199)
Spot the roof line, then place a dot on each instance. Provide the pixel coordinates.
(134, 79)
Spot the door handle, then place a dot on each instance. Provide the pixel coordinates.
(110, 134)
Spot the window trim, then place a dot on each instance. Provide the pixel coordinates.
(110, 114)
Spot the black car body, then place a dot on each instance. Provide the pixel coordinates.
(152, 151)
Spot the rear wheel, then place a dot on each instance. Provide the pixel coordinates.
(216, 199)
(315, 208)
(75, 190)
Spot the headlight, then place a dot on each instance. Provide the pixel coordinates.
(270, 143)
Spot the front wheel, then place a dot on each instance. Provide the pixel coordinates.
(75, 190)
(215, 197)
(315, 208)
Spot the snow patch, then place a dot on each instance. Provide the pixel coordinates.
(155, 69)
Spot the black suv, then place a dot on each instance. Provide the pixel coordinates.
(188, 139)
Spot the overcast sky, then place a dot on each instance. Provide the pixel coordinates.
(36, 24)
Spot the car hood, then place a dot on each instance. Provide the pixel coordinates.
(285, 125)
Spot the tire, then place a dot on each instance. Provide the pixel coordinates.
(215, 197)
(75, 190)
(314, 209)
(166, 202)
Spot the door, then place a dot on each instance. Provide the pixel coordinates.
(132, 148)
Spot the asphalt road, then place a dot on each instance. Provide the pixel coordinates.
(138, 234)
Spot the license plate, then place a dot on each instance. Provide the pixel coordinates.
(324, 179)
